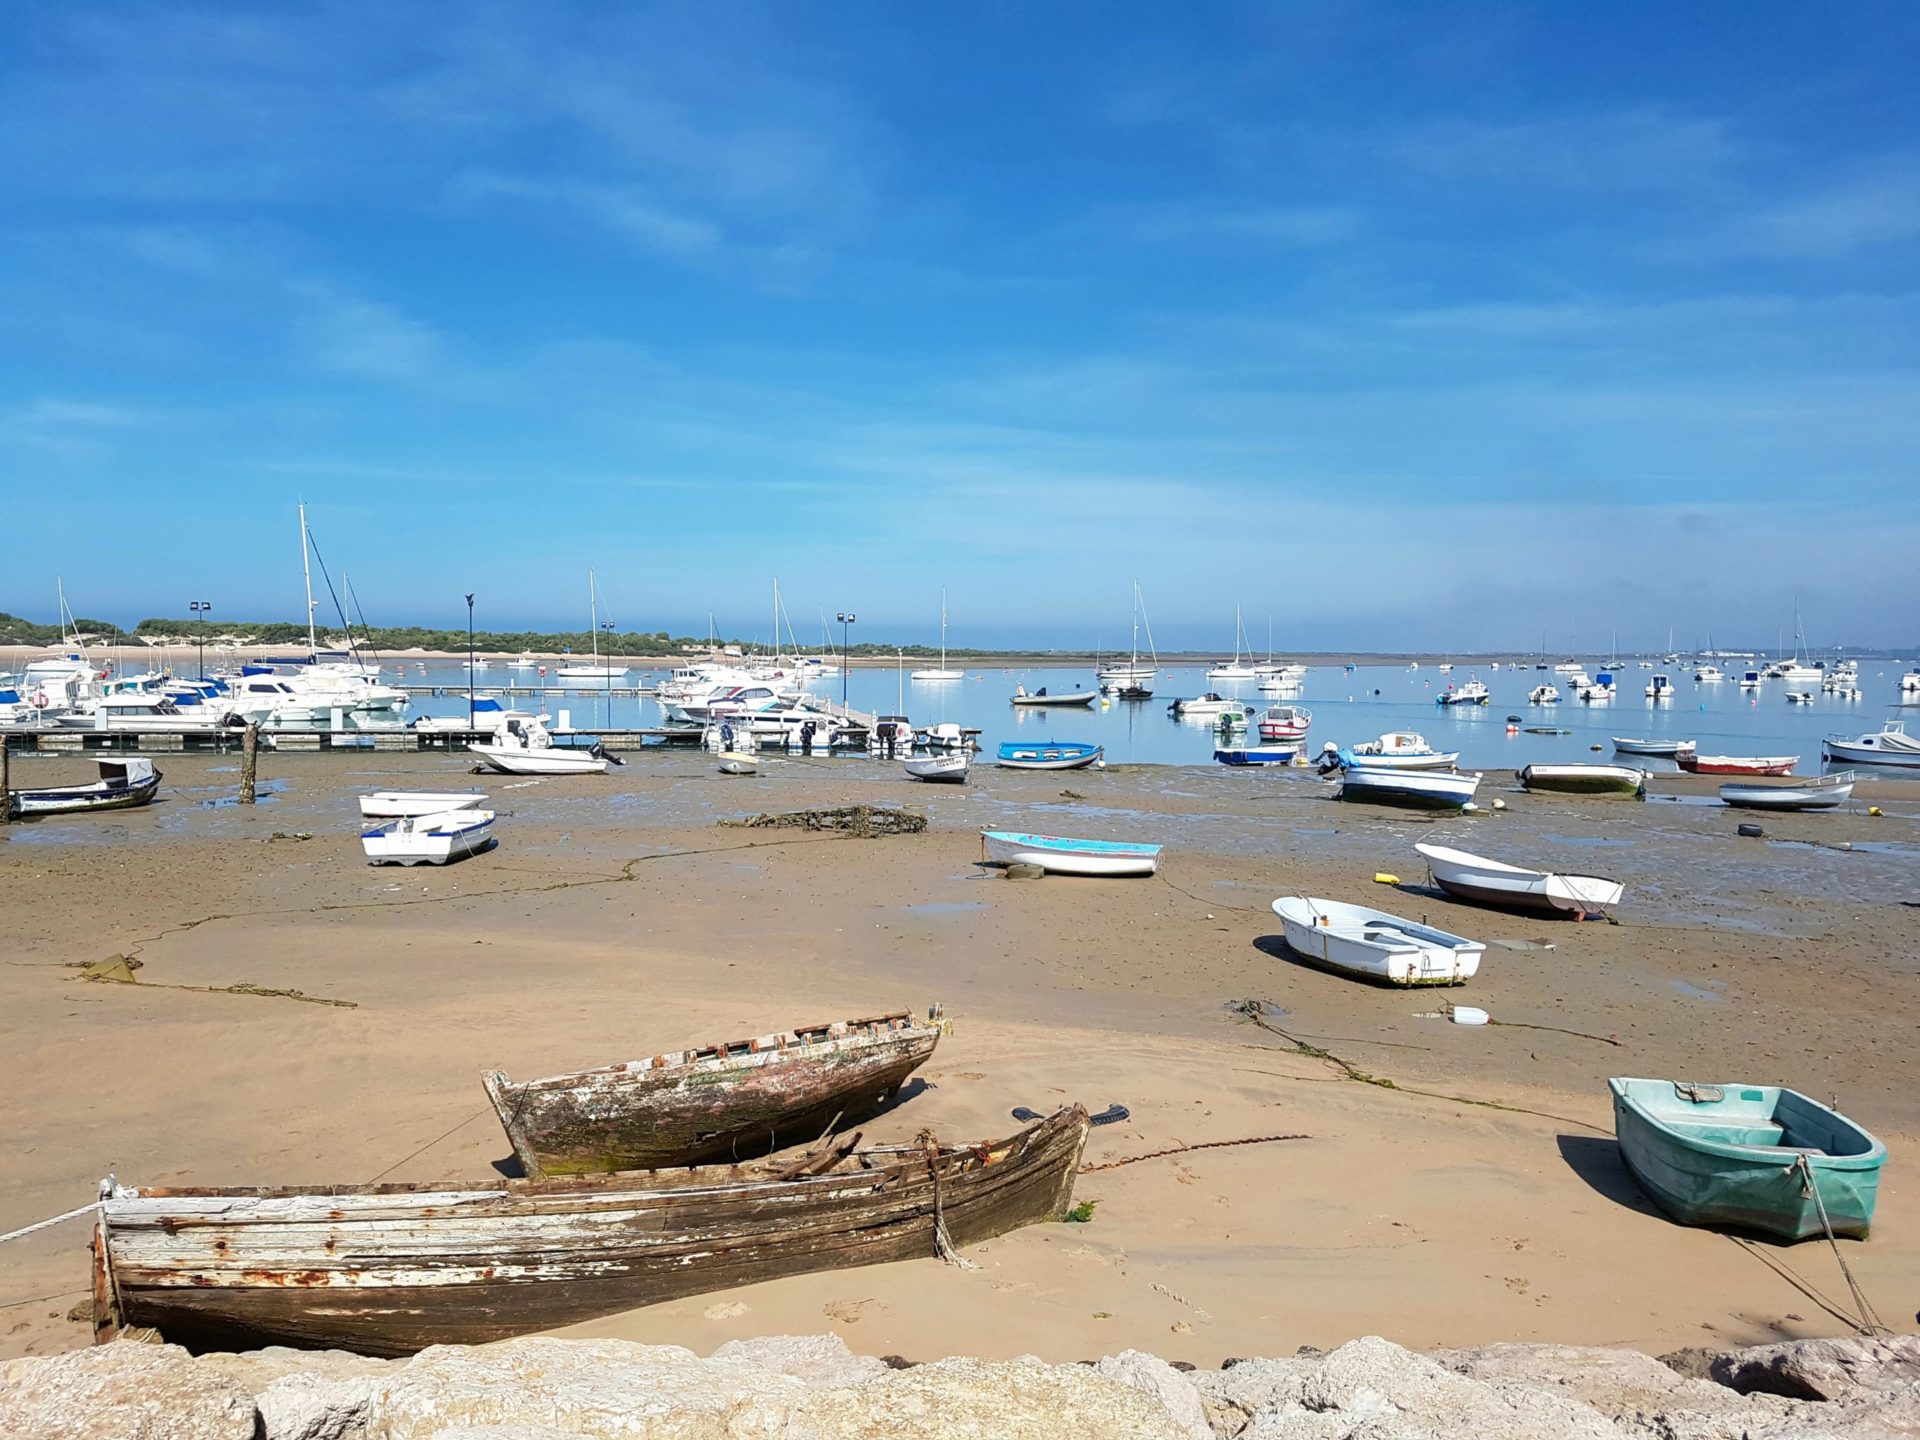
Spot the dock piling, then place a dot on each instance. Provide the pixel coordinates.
(249, 758)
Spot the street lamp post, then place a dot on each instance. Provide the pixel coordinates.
(200, 609)
(847, 617)
(469, 662)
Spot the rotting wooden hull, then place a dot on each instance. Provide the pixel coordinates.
(386, 1270)
(720, 1104)
(76, 799)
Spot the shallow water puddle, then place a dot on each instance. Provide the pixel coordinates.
(1697, 993)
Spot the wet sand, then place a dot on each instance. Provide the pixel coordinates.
(617, 918)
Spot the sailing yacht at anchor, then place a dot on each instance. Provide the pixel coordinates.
(1238, 670)
(596, 673)
(1134, 674)
(942, 673)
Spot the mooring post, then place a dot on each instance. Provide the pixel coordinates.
(249, 756)
(6, 782)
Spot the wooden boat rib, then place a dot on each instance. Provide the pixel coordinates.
(1748, 1157)
(388, 1269)
(721, 1103)
(123, 785)
(1492, 882)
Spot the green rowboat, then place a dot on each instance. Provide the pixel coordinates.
(1748, 1157)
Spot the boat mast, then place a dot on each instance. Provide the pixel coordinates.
(306, 571)
(943, 627)
(1133, 656)
(1147, 620)
(593, 614)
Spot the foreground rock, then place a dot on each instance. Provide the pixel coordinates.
(814, 1388)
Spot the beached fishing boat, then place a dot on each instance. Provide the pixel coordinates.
(1048, 755)
(1824, 793)
(1285, 722)
(389, 1269)
(402, 804)
(1375, 945)
(1690, 759)
(1890, 746)
(1278, 753)
(429, 839)
(718, 1103)
(1419, 789)
(122, 785)
(1059, 855)
(1040, 697)
(1748, 1157)
(949, 767)
(1396, 750)
(1624, 745)
(528, 749)
(1511, 887)
(1585, 779)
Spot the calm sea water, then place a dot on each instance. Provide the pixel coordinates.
(1348, 706)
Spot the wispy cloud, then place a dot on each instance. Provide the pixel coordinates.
(1837, 220)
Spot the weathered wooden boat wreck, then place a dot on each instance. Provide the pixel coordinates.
(722, 1103)
(388, 1269)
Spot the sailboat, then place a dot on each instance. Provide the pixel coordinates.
(596, 673)
(1238, 670)
(1798, 671)
(1276, 678)
(1133, 675)
(943, 673)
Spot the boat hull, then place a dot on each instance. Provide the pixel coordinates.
(1258, 755)
(1666, 749)
(405, 804)
(1736, 764)
(948, 769)
(1865, 752)
(1510, 887)
(1061, 855)
(75, 799)
(1016, 756)
(554, 760)
(1621, 780)
(719, 1105)
(1084, 698)
(1808, 795)
(429, 839)
(387, 1270)
(1373, 945)
(1419, 790)
(1730, 1163)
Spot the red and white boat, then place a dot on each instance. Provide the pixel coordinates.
(1285, 722)
(1690, 759)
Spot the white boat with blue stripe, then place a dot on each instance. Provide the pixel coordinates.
(429, 839)
(1048, 755)
(1059, 855)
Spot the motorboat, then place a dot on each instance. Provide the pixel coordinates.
(1826, 792)
(1396, 750)
(1709, 675)
(1419, 789)
(1748, 1157)
(948, 767)
(1660, 687)
(1890, 746)
(528, 749)
(1209, 706)
(1060, 855)
(1751, 680)
(1543, 695)
(489, 715)
(1512, 887)
(123, 785)
(407, 804)
(429, 839)
(1048, 755)
(1040, 697)
(1374, 945)
(1585, 779)
(1625, 745)
(1474, 692)
(1285, 722)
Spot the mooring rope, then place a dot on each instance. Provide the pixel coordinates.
(1183, 1149)
(86, 1209)
(1869, 1320)
(943, 1245)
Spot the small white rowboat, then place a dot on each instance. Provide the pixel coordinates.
(429, 839)
(1059, 855)
(1823, 793)
(949, 767)
(400, 804)
(1491, 882)
(1375, 945)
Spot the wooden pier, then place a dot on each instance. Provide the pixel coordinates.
(65, 740)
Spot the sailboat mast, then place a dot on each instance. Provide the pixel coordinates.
(943, 628)
(306, 571)
(593, 614)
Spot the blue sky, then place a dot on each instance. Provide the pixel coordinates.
(1409, 325)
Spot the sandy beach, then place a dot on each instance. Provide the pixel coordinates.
(1473, 1194)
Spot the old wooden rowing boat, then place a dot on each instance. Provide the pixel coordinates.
(123, 784)
(1751, 1157)
(722, 1103)
(387, 1269)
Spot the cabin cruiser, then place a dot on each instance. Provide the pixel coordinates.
(1543, 695)
(1708, 675)
(731, 700)
(142, 710)
(1474, 692)
(489, 716)
(1396, 750)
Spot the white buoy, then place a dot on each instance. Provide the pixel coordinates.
(1468, 1015)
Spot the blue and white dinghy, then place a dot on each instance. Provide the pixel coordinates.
(1058, 855)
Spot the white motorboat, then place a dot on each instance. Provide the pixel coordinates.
(1374, 945)
(528, 749)
(1474, 692)
(1543, 695)
(1660, 687)
(1824, 793)
(1210, 706)
(488, 715)
(407, 804)
(1492, 882)
(1709, 675)
(1750, 680)
(429, 839)
(1285, 722)
(1396, 750)
(141, 711)
(940, 672)
(1421, 789)
(1910, 683)
(948, 767)
(1059, 855)
(1041, 698)
(1668, 748)
(1891, 746)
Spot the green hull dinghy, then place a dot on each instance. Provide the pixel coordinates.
(1747, 1157)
